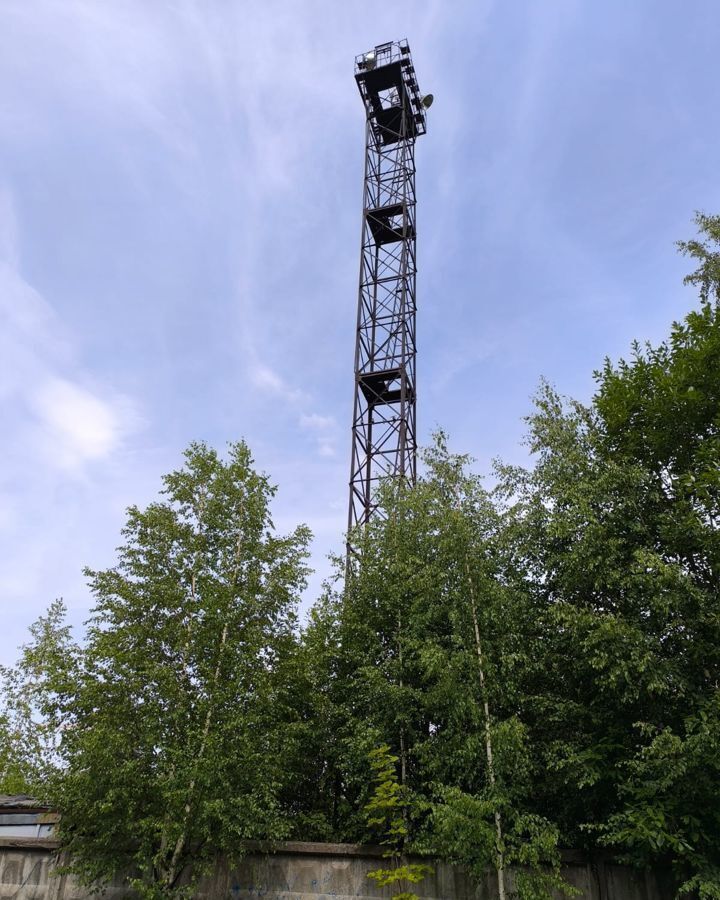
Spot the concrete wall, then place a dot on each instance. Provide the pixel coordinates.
(313, 872)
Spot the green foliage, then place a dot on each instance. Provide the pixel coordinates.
(532, 848)
(665, 799)
(463, 832)
(438, 637)
(31, 721)
(408, 873)
(616, 532)
(705, 250)
(386, 812)
(463, 829)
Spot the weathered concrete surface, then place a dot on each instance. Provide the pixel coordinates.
(314, 872)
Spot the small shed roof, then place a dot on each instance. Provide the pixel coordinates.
(20, 801)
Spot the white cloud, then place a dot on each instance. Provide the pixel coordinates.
(46, 408)
(316, 422)
(78, 426)
(38, 376)
(325, 429)
(266, 379)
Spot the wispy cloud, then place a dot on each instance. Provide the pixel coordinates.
(326, 432)
(8, 229)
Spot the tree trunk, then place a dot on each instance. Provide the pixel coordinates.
(499, 858)
(403, 765)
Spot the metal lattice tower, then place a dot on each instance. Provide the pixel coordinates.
(384, 439)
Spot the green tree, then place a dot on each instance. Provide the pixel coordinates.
(615, 536)
(433, 639)
(180, 718)
(30, 728)
(329, 769)
(386, 813)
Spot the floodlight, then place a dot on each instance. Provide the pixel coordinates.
(427, 101)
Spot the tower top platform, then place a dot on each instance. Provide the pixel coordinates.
(388, 86)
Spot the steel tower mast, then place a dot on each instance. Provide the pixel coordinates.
(384, 439)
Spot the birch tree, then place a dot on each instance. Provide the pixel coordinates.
(435, 640)
(178, 722)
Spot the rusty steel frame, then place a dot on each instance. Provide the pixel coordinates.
(384, 433)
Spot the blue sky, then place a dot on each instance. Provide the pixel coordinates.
(180, 188)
